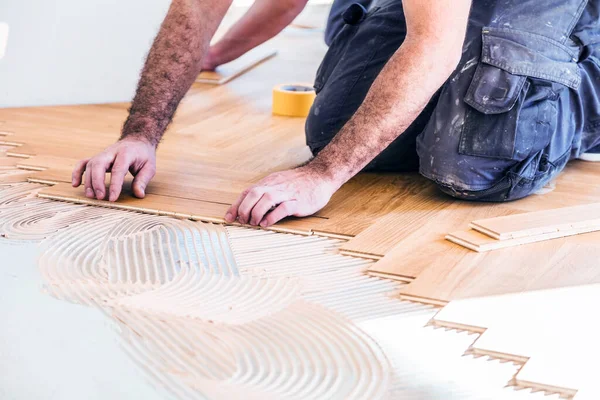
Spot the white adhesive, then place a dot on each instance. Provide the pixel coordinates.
(202, 321)
(209, 311)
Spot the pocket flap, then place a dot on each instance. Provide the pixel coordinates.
(529, 54)
(493, 90)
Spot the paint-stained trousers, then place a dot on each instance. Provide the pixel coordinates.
(523, 101)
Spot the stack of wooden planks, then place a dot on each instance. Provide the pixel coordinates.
(512, 230)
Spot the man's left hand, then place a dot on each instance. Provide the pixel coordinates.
(299, 192)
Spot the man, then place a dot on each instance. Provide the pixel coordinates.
(489, 100)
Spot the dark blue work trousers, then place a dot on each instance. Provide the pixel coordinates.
(523, 101)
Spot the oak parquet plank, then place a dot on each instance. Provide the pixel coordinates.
(540, 222)
(398, 224)
(425, 247)
(170, 206)
(233, 69)
(460, 273)
(9, 162)
(15, 176)
(365, 198)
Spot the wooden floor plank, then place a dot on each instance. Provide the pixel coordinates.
(425, 245)
(458, 273)
(366, 198)
(476, 241)
(540, 222)
(380, 237)
(171, 206)
(226, 72)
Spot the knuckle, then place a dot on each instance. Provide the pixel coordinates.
(268, 197)
(287, 208)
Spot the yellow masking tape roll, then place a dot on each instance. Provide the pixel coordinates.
(293, 99)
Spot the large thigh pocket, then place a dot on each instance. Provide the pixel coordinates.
(511, 111)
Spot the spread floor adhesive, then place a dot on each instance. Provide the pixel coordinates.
(209, 311)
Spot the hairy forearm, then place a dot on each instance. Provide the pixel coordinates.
(264, 20)
(397, 96)
(172, 65)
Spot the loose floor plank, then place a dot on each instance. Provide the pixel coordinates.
(476, 241)
(226, 72)
(540, 222)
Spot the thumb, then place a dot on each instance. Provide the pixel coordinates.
(142, 179)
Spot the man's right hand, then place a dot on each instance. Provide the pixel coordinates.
(129, 154)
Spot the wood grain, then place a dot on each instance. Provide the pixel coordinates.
(366, 198)
(476, 241)
(540, 222)
(458, 273)
(425, 244)
(170, 206)
(398, 224)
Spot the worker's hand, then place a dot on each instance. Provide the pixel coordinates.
(129, 154)
(298, 192)
(223, 52)
(211, 60)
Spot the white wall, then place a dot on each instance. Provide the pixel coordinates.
(78, 51)
(75, 51)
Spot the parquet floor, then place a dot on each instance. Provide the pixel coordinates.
(224, 138)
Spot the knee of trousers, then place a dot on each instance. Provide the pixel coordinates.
(487, 179)
(466, 177)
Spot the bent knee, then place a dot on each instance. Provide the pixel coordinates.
(468, 179)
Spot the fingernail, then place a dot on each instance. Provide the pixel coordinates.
(228, 217)
(113, 196)
(100, 195)
(263, 224)
(89, 192)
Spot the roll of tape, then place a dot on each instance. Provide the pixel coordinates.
(293, 99)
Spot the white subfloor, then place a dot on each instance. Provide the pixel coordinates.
(52, 349)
